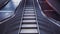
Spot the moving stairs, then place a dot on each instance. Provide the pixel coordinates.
(29, 23)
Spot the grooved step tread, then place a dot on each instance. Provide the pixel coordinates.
(29, 31)
(28, 7)
(30, 17)
(29, 14)
(29, 25)
(28, 11)
(29, 20)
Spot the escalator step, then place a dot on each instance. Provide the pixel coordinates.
(29, 14)
(29, 20)
(30, 17)
(29, 31)
(28, 9)
(29, 26)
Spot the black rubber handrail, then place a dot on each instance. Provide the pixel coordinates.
(3, 3)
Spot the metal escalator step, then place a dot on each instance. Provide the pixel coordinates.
(29, 17)
(29, 14)
(29, 6)
(29, 31)
(29, 26)
(29, 23)
(29, 20)
(28, 9)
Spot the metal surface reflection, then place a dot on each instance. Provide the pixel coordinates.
(9, 9)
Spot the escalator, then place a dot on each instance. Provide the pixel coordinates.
(50, 12)
(28, 19)
(46, 26)
(11, 26)
(55, 4)
(3, 3)
(29, 23)
(8, 11)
